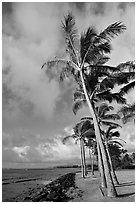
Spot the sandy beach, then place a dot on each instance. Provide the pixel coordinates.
(91, 192)
(79, 190)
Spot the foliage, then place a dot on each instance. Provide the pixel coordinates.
(127, 113)
(126, 161)
(115, 153)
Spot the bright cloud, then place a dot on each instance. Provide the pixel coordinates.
(21, 151)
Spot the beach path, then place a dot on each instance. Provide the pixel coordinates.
(92, 193)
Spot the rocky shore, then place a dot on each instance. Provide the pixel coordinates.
(62, 189)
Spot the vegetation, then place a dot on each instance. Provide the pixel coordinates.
(81, 131)
(56, 191)
(85, 62)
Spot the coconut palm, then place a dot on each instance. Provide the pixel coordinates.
(85, 61)
(82, 130)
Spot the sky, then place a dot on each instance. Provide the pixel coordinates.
(37, 109)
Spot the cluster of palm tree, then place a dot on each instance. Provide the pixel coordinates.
(85, 63)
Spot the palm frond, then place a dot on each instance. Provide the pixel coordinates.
(86, 126)
(101, 60)
(71, 36)
(103, 108)
(128, 118)
(111, 31)
(66, 72)
(78, 94)
(104, 68)
(78, 104)
(117, 78)
(109, 130)
(123, 77)
(87, 118)
(127, 112)
(102, 48)
(111, 117)
(86, 42)
(108, 96)
(54, 62)
(127, 109)
(127, 66)
(65, 139)
(108, 123)
(106, 83)
(89, 133)
(95, 51)
(115, 134)
(115, 142)
(127, 88)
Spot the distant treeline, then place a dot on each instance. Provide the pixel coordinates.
(120, 161)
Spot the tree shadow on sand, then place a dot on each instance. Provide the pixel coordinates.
(126, 184)
(126, 195)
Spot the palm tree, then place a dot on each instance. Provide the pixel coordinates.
(112, 138)
(85, 61)
(81, 130)
(106, 119)
(91, 144)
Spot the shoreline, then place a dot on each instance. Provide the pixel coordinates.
(61, 189)
(71, 187)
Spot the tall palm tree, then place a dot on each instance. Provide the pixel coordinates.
(82, 130)
(85, 61)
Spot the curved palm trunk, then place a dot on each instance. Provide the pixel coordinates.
(111, 191)
(114, 177)
(101, 168)
(84, 158)
(82, 163)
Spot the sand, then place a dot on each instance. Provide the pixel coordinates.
(91, 192)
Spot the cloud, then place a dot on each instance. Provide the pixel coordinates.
(21, 151)
(36, 108)
(23, 57)
(127, 133)
(57, 151)
(37, 36)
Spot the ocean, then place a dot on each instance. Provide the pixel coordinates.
(19, 181)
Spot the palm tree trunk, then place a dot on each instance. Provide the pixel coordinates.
(91, 162)
(82, 163)
(101, 168)
(84, 158)
(111, 191)
(114, 177)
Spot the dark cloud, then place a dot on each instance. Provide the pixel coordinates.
(79, 5)
(98, 8)
(6, 8)
(123, 5)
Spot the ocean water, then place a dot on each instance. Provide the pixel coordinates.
(19, 181)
